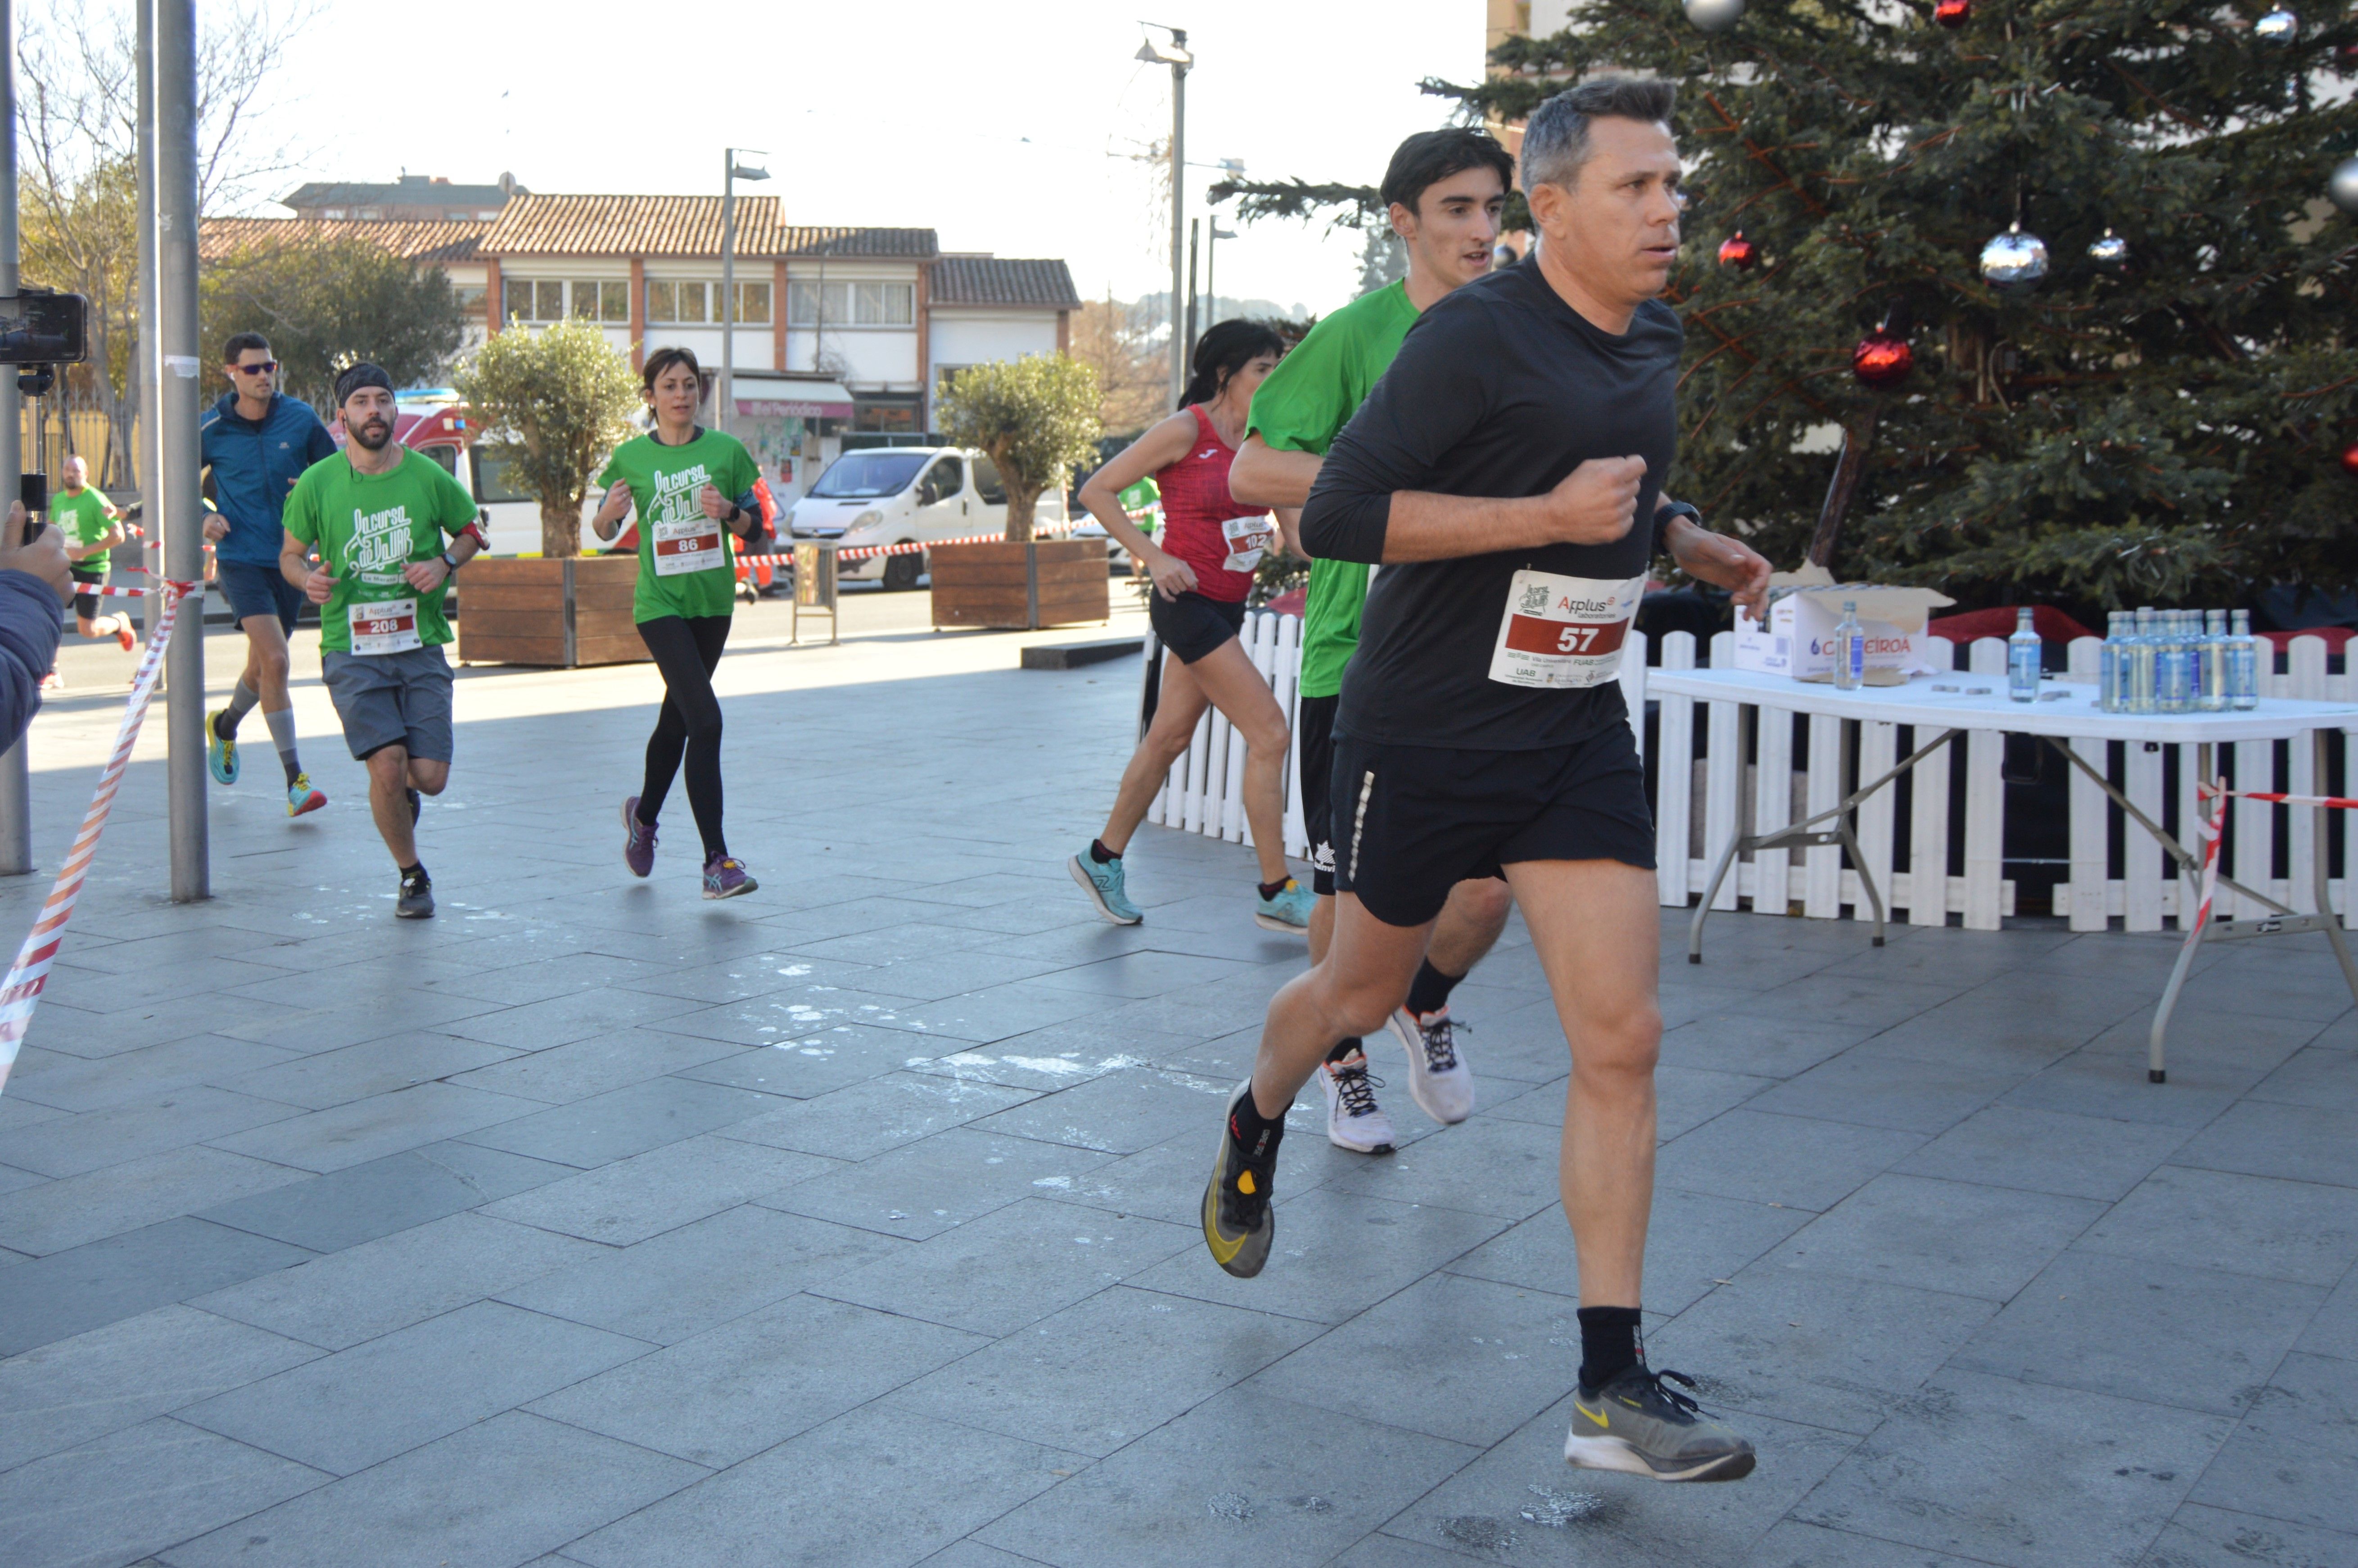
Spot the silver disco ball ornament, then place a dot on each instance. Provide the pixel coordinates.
(1715, 15)
(2344, 188)
(2014, 259)
(2277, 27)
(2110, 250)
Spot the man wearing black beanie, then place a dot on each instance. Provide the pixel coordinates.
(377, 512)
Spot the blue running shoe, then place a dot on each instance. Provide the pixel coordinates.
(221, 750)
(1289, 912)
(1103, 885)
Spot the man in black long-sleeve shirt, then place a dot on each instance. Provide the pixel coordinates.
(1498, 471)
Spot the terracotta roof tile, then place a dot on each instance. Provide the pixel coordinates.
(1003, 280)
(680, 226)
(416, 241)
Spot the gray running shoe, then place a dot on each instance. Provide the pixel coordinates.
(416, 901)
(1642, 1427)
(1238, 1224)
(1438, 1078)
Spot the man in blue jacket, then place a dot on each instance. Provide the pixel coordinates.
(256, 442)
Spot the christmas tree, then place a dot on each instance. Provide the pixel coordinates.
(2142, 392)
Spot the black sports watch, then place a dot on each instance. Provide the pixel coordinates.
(451, 565)
(1669, 508)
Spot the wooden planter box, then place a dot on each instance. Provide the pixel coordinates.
(562, 613)
(1049, 582)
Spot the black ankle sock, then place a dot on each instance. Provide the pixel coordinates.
(1270, 889)
(1256, 1134)
(1101, 854)
(1609, 1344)
(416, 871)
(1429, 992)
(293, 771)
(1343, 1048)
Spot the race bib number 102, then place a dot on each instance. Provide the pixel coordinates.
(1563, 632)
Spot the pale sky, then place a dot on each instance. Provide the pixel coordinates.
(987, 123)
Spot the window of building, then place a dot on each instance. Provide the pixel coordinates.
(470, 297)
(457, 217)
(753, 303)
(596, 301)
(674, 303)
(369, 214)
(853, 304)
(336, 213)
(889, 412)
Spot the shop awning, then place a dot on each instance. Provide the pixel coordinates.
(775, 397)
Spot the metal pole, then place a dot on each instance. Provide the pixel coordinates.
(728, 289)
(1178, 210)
(182, 515)
(16, 773)
(149, 367)
(1211, 275)
(1192, 225)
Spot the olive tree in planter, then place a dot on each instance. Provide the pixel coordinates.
(565, 397)
(1036, 419)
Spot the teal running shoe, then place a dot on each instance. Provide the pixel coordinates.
(221, 750)
(1287, 912)
(1103, 885)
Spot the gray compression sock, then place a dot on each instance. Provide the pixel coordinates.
(282, 735)
(240, 703)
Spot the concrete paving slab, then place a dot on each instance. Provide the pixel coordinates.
(1939, 1236)
(359, 1407)
(2296, 1455)
(622, 1122)
(120, 1498)
(920, 1190)
(493, 1493)
(100, 1282)
(660, 1190)
(364, 1130)
(361, 1203)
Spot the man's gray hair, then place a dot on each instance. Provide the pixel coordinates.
(1555, 139)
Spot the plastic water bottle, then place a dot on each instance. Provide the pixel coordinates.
(2243, 664)
(2142, 663)
(2111, 661)
(2172, 693)
(2211, 694)
(2022, 651)
(1850, 650)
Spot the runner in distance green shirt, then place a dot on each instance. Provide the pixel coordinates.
(1302, 407)
(369, 529)
(687, 563)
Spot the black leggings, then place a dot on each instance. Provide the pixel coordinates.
(686, 649)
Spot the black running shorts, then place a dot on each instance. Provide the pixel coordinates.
(1410, 822)
(1313, 721)
(86, 604)
(1193, 626)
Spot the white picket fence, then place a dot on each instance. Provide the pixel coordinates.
(1795, 772)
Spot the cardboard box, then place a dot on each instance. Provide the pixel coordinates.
(1803, 611)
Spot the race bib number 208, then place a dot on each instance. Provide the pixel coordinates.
(1563, 632)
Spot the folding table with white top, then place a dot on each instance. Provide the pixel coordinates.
(1959, 702)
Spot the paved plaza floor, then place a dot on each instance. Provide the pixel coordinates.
(854, 1222)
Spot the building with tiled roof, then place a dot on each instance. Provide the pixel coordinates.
(426, 243)
(849, 328)
(414, 197)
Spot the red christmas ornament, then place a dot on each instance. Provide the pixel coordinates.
(1881, 359)
(2350, 459)
(1953, 13)
(1738, 252)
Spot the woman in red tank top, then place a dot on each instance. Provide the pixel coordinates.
(1203, 569)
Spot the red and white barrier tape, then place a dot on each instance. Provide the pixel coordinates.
(2336, 802)
(111, 591)
(21, 991)
(862, 552)
(2215, 830)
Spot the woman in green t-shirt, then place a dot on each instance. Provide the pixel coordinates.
(680, 477)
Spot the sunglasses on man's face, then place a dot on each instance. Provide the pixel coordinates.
(264, 368)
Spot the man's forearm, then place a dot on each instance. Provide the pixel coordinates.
(295, 568)
(1425, 527)
(1264, 476)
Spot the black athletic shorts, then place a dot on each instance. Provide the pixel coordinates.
(86, 604)
(1193, 626)
(1412, 822)
(1313, 722)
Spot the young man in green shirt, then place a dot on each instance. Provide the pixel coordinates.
(378, 514)
(1443, 192)
(92, 526)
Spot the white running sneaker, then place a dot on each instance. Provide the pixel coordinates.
(1354, 1119)
(1438, 1077)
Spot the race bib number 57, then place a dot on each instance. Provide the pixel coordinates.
(1563, 632)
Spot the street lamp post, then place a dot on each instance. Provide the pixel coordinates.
(181, 515)
(1211, 272)
(15, 771)
(1176, 57)
(731, 173)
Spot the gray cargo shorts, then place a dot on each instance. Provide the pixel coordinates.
(391, 700)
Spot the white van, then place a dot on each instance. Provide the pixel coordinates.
(907, 495)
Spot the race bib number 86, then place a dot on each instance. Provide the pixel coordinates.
(1563, 632)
